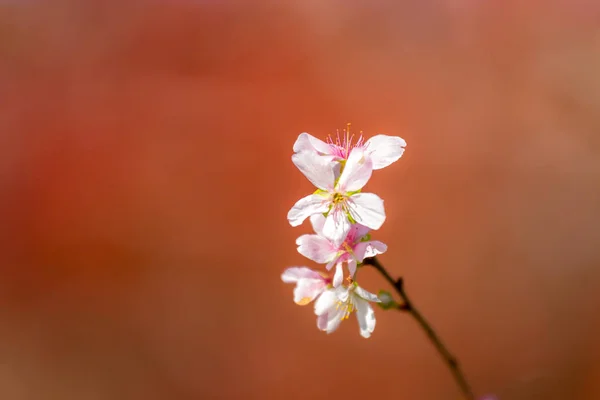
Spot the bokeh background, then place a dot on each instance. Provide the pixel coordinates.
(145, 178)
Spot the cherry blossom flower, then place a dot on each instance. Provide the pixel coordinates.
(339, 198)
(309, 283)
(355, 248)
(383, 150)
(336, 305)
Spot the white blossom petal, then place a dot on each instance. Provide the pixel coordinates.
(342, 294)
(367, 209)
(336, 226)
(293, 274)
(316, 248)
(356, 172)
(365, 316)
(333, 262)
(352, 267)
(307, 141)
(325, 302)
(307, 206)
(337, 170)
(307, 290)
(319, 170)
(334, 319)
(338, 277)
(384, 150)
(317, 221)
(322, 322)
(366, 295)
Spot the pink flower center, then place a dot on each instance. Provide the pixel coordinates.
(343, 145)
(327, 279)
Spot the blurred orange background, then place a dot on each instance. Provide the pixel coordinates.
(145, 178)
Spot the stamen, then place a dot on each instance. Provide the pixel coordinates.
(347, 308)
(350, 251)
(348, 139)
(342, 145)
(359, 142)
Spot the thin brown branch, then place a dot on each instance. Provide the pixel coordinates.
(409, 307)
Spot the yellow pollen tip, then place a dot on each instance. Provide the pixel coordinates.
(304, 301)
(337, 198)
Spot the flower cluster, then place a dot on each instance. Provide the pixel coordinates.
(342, 217)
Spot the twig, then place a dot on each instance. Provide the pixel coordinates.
(409, 307)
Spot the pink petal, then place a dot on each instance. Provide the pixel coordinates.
(384, 150)
(356, 173)
(307, 206)
(316, 248)
(357, 232)
(359, 251)
(319, 170)
(375, 247)
(368, 249)
(306, 142)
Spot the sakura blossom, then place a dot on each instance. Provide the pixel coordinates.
(342, 218)
(339, 199)
(383, 150)
(353, 250)
(336, 305)
(309, 283)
